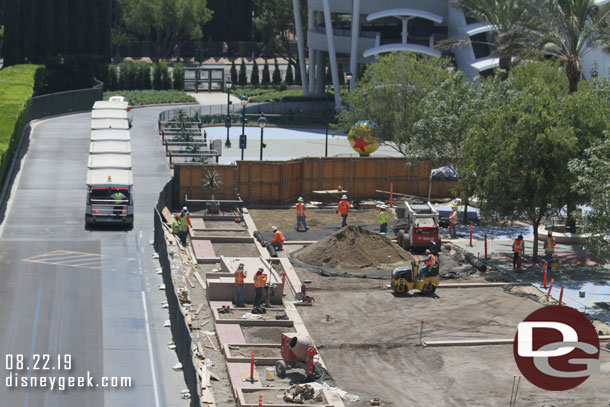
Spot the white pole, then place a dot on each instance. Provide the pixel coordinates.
(353, 64)
(296, 5)
(331, 54)
(312, 53)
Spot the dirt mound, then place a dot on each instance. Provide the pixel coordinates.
(353, 247)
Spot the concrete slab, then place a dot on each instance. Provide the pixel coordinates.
(203, 249)
(230, 334)
(237, 373)
(198, 223)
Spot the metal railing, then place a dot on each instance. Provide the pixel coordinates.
(70, 101)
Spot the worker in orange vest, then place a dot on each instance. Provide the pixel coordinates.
(518, 248)
(549, 248)
(301, 217)
(278, 238)
(343, 207)
(430, 262)
(453, 218)
(240, 288)
(260, 279)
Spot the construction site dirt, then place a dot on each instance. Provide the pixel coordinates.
(370, 340)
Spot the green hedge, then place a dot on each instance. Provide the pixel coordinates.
(152, 97)
(18, 85)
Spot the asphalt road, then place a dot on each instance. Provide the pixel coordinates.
(91, 295)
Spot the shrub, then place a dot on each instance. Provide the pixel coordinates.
(113, 78)
(166, 82)
(19, 84)
(266, 78)
(289, 77)
(233, 72)
(243, 80)
(157, 82)
(153, 97)
(254, 79)
(178, 76)
(277, 75)
(142, 75)
(128, 73)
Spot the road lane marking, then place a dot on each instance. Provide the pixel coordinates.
(68, 259)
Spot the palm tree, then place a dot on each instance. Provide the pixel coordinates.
(510, 20)
(569, 29)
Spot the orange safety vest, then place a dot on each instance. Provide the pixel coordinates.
(343, 207)
(431, 262)
(518, 246)
(278, 237)
(453, 217)
(240, 276)
(258, 280)
(549, 245)
(300, 209)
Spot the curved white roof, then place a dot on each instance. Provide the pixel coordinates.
(484, 64)
(110, 178)
(401, 47)
(109, 114)
(478, 28)
(110, 147)
(110, 135)
(106, 161)
(98, 124)
(106, 104)
(405, 12)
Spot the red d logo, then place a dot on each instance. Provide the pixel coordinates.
(556, 348)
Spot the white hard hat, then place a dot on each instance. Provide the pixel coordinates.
(184, 209)
(384, 207)
(273, 228)
(344, 197)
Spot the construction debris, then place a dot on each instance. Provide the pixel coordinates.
(299, 393)
(353, 247)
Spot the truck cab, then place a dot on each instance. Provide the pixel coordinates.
(109, 197)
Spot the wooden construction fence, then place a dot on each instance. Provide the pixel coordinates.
(282, 182)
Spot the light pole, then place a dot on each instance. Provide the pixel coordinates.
(244, 101)
(262, 121)
(228, 85)
(348, 77)
(326, 117)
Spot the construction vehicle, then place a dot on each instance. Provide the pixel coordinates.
(419, 227)
(405, 279)
(297, 351)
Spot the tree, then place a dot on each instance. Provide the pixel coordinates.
(212, 180)
(391, 93)
(569, 29)
(11, 49)
(254, 78)
(297, 73)
(289, 76)
(266, 80)
(277, 75)
(275, 24)
(518, 148)
(511, 21)
(592, 171)
(233, 72)
(243, 80)
(166, 23)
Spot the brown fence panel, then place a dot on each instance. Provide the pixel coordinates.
(282, 182)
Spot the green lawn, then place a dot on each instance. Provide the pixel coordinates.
(152, 97)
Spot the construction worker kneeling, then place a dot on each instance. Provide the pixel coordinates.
(278, 239)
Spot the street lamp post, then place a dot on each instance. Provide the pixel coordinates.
(228, 85)
(348, 77)
(244, 101)
(326, 117)
(262, 121)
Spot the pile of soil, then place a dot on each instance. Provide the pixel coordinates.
(354, 248)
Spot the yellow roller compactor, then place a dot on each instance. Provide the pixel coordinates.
(404, 279)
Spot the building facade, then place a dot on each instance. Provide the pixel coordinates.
(393, 25)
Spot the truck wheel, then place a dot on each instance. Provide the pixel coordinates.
(280, 369)
(406, 243)
(400, 238)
